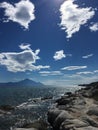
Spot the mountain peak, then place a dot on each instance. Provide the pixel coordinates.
(27, 79)
(26, 82)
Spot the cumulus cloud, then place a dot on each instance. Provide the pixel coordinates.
(21, 61)
(94, 27)
(21, 12)
(72, 17)
(73, 67)
(50, 73)
(87, 56)
(59, 55)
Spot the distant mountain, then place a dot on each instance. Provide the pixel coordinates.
(24, 83)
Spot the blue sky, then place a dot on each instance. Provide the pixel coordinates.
(54, 42)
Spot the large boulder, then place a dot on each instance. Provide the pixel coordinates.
(93, 111)
(90, 121)
(86, 128)
(64, 100)
(74, 123)
(63, 116)
(37, 125)
(95, 93)
(79, 101)
(52, 115)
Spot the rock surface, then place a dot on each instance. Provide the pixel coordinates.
(36, 125)
(6, 109)
(76, 111)
(25, 129)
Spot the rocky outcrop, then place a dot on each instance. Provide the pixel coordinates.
(76, 111)
(6, 109)
(25, 129)
(36, 125)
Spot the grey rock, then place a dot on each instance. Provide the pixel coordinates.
(76, 111)
(68, 94)
(63, 101)
(95, 92)
(93, 111)
(7, 108)
(90, 120)
(64, 115)
(25, 129)
(87, 128)
(75, 123)
(79, 101)
(86, 93)
(38, 124)
(52, 114)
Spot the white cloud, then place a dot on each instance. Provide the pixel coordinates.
(25, 46)
(68, 80)
(85, 72)
(44, 72)
(87, 56)
(96, 71)
(61, 83)
(59, 55)
(72, 17)
(82, 79)
(50, 73)
(70, 55)
(21, 12)
(94, 27)
(73, 67)
(21, 61)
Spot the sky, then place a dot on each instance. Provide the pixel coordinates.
(50, 41)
